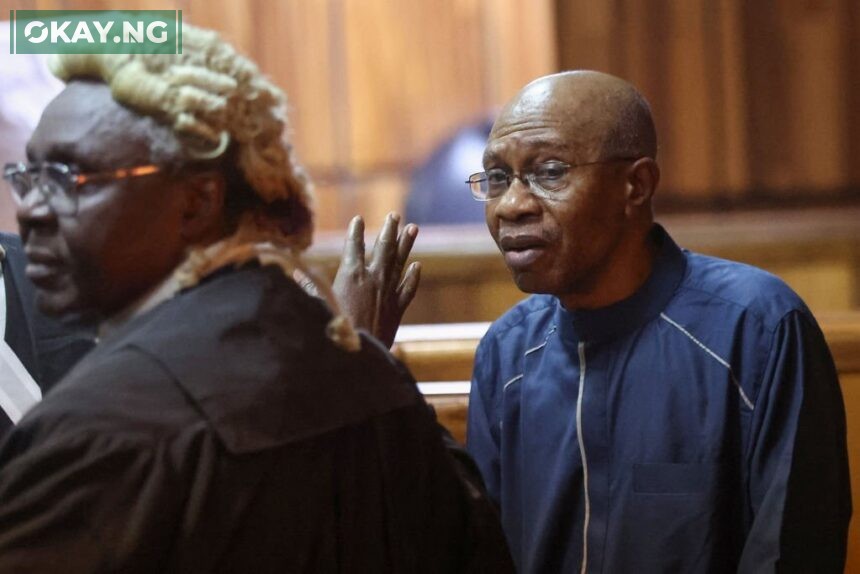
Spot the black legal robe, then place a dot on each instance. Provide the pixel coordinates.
(224, 432)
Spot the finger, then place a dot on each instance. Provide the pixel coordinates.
(353, 246)
(386, 244)
(409, 286)
(405, 241)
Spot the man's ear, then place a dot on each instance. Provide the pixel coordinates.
(642, 179)
(203, 208)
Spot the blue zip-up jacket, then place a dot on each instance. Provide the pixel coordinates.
(697, 426)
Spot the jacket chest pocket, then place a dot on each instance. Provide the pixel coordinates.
(673, 478)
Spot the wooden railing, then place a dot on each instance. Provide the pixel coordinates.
(440, 356)
(464, 278)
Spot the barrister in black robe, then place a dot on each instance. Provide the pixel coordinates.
(226, 421)
(223, 432)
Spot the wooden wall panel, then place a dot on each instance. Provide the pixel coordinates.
(690, 94)
(414, 73)
(749, 97)
(519, 45)
(732, 173)
(851, 47)
(588, 29)
(816, 86)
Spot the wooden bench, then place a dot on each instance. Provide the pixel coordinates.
(440, 356)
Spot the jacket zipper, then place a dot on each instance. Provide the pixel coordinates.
(581, 349)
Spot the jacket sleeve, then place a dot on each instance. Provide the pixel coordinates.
(798, 485)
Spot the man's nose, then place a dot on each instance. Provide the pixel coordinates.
(517, 202)
(33, 209)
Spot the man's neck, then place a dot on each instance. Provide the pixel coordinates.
(158, 294)
(619, 278)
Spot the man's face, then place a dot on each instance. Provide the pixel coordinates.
(125, 237)
(564, 244)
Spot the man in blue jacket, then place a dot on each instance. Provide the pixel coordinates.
(649, 409)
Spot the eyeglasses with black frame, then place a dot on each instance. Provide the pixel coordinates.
(58, 184)
(544, 179)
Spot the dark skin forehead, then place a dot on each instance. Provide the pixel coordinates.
(84, 126)
(574, 111)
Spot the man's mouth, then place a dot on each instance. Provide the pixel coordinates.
(521, 251)
(43, 267)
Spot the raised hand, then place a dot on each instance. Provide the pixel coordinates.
(373, 294)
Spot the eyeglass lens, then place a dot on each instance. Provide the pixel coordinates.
(547, 177)
(52, 181)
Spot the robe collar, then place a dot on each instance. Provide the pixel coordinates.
(163, 291)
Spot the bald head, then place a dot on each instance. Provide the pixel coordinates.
(604, 115)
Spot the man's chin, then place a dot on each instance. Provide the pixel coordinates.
(61, 306)
(530, 282)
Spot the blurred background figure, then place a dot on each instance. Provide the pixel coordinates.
(437, 189)
(27, 87)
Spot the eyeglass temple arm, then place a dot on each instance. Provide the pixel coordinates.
(123, 173)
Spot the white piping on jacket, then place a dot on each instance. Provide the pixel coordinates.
(533, 349)
(719, 359)
(584, 459)
(526, 354)
(542, 345)
(514, 380)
